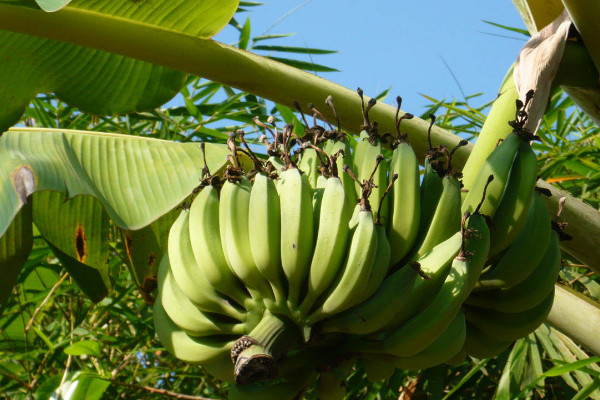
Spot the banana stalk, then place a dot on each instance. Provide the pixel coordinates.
(255, 356)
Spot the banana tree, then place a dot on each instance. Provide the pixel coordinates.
(136, 58)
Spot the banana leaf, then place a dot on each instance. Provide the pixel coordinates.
(93, 80)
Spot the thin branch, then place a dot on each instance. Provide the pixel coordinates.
(41, 306)
(163, 392)
(22, 382)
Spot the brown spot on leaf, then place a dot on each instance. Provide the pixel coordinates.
(80, 244)
(151, 260)
(150, 283)
(148, 286)
(24, 181)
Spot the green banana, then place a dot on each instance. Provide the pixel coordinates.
(330, 386)
(528, 293)
(436, 264)
(459, 358)
(477, 247)
(184, 313)
(424, 328)
(359, 154)
(479, 345)
(332, 147)
(206, 245)
(498, 164)
(399, 296)
(189, 276)
(204, 351)
(296, 231)
(380, 265)
(277, 164)
(330, 246)
(445, 220)
(309, 164)
(512, 210)
(429, 195)
(264, 225)
(377, 369)
(317, 200)
(524, 254)
(353, 278)
(443, 349)
(366, 154)
(405, 202)
(235, 236)
(504, 326)
(378, 310)
(380, 180)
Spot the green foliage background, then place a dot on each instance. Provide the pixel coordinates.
(52, 335)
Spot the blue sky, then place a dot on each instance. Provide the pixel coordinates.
(411, 46)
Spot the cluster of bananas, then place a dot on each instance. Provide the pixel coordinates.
(332, 251)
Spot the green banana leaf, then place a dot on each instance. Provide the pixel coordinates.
(77, 232)
(96, 81)
(15, 246)
(78, 226)
(136, 179)
(143, 256)
(131, 180)
(94, 283)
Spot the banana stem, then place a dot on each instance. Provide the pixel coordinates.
(255, 356)
(212, 60)
(566, 316)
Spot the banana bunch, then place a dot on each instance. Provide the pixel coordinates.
(333, 250)
(515, 290)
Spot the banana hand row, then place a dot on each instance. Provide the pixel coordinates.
(330, 250)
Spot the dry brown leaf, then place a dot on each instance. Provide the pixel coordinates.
(537, 65)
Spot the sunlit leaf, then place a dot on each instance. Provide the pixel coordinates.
(84, 347)
(77, 226)
(52, 5)
(136, 179)
(292, 49)
(95, 81)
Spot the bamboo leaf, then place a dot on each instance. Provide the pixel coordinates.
(534, 364)
(307, 66)
(512, 372)
(84, 347)
(588, 390)
(292, 49)
(89, 387)
(245, 35)
(509, 28)
(574, 366)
